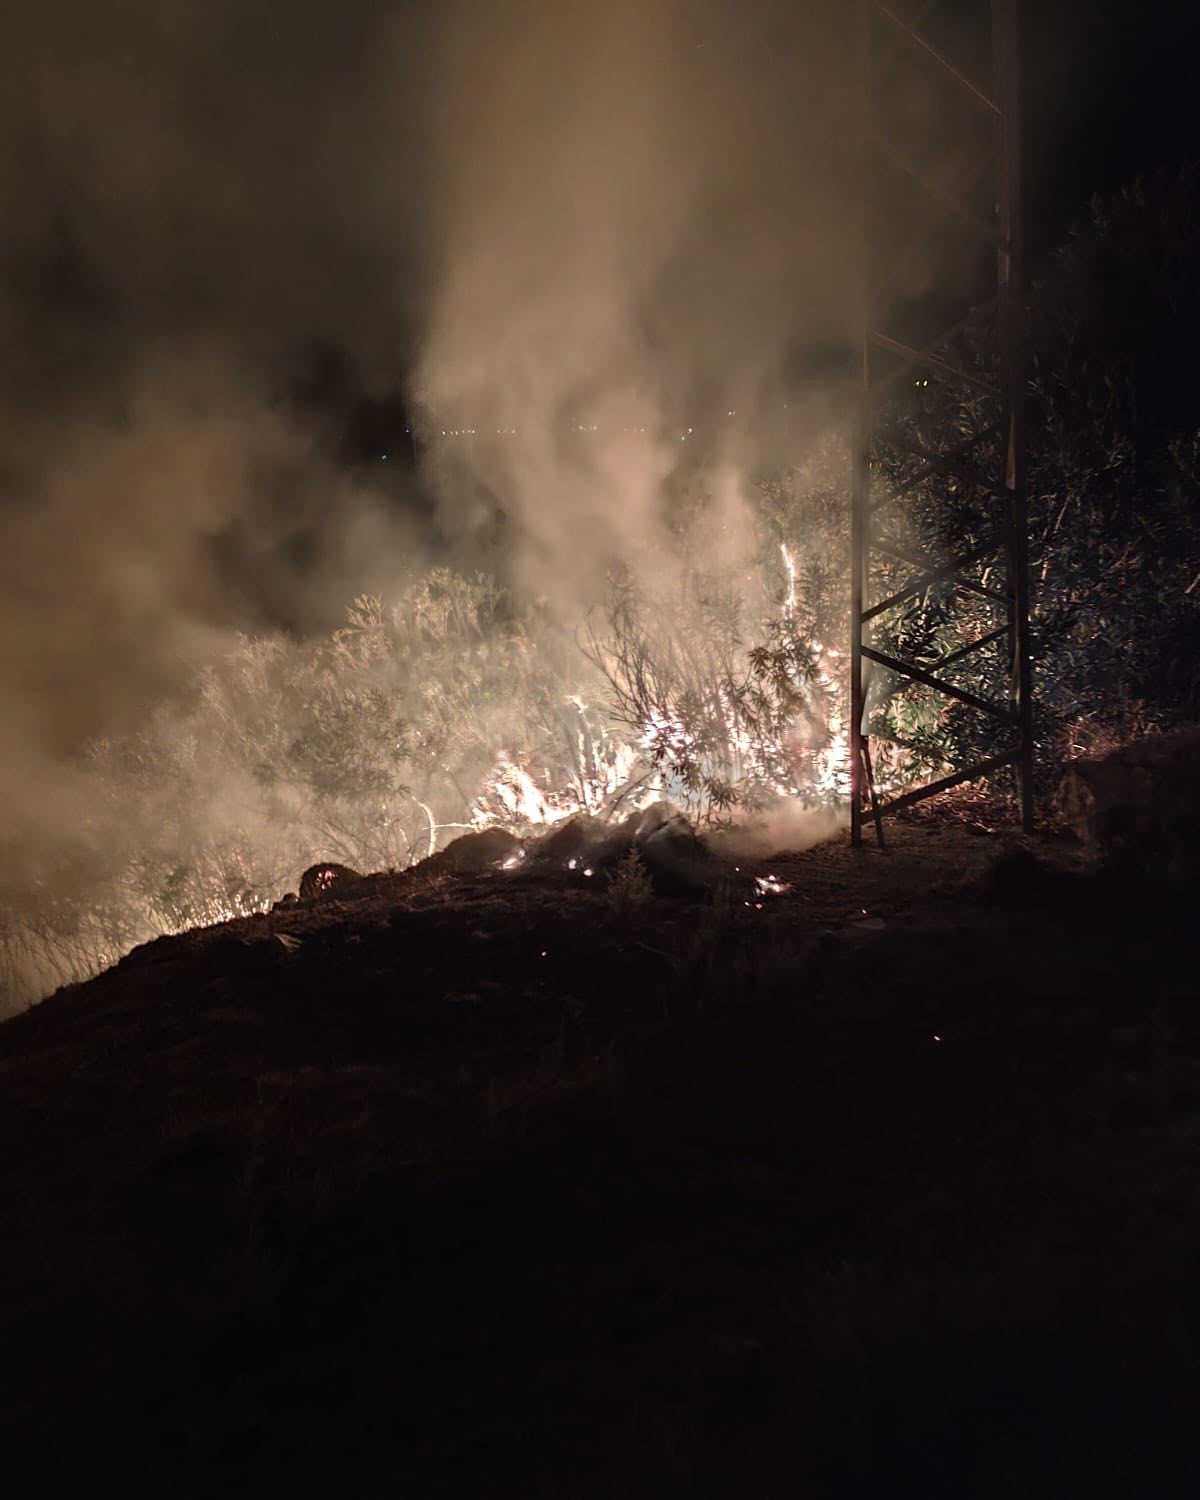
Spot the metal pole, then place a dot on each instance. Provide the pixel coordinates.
(860, 477)
(1011, 315)
(885, 359)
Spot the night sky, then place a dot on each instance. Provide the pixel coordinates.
(1110, 92)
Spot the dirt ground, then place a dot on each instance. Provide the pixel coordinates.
(515, 1184)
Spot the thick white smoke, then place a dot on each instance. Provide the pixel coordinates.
(639, 217)
(578, 231)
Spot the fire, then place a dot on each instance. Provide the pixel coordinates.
(789, 568)
(600, 772)
(667, 737)
(671, 752)
(511, 795)
(831, 767)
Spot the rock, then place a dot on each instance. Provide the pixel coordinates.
(678, 860)
(638, 826)
(473, 853)
(327, 878)
(572, 839)
(1139, 807)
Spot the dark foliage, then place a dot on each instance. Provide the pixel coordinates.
(1114, 481)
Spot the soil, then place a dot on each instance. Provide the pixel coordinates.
(533, 1183)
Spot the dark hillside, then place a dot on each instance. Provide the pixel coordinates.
(497, 1184)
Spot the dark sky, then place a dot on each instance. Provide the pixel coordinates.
(244, 163)
(1110, 92)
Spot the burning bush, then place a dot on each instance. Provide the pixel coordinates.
(726, 713)
(451, 710)
(365, 748)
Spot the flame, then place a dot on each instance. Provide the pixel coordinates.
(832, 765)
(810, 761)
(512, 794)
(789, 568)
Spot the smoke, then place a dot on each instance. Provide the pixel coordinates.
(549, 216)
(191, 194)
(638, 220)
(787, 827)
(597, 237)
